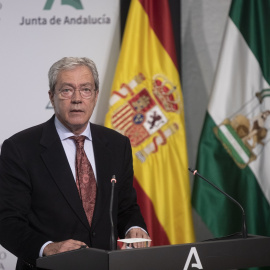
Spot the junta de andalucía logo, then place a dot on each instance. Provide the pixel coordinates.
(74, 3)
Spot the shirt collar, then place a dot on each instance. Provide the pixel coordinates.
(65, 133)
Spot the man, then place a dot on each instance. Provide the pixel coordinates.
(42, 208)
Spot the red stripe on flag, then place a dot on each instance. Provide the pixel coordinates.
(123, 121)
(155, 229)
(120, 111)
(157, 11)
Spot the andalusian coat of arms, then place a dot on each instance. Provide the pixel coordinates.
(245, 133)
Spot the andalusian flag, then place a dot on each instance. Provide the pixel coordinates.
(146, 105)
(234, 150)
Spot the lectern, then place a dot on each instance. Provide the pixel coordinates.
(209, 255)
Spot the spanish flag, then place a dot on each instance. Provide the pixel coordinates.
(146, 105)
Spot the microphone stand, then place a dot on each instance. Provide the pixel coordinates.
(244, 227)
(112, 242)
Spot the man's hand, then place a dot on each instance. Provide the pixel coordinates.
(137, 233)
(58, 247)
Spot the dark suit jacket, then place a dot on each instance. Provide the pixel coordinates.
(39, 200)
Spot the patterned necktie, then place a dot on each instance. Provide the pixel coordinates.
(85, 178)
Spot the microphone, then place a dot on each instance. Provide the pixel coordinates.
(244, 227)
(112, 242)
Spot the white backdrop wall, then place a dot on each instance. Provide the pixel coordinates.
(27, 52)
(31, 40)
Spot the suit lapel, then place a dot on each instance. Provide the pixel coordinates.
(56, 162)
(103, 160)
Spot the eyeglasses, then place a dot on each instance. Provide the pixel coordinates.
(67, 93)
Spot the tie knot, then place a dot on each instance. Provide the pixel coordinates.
(79, 140)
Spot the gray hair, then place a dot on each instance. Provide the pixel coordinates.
(68, 63)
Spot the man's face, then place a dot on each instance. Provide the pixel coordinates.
(74, 113)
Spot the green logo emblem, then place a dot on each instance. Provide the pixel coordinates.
(74, 3)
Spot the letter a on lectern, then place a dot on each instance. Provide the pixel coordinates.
(198, 264)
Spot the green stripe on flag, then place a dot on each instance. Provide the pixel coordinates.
(252, 17)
